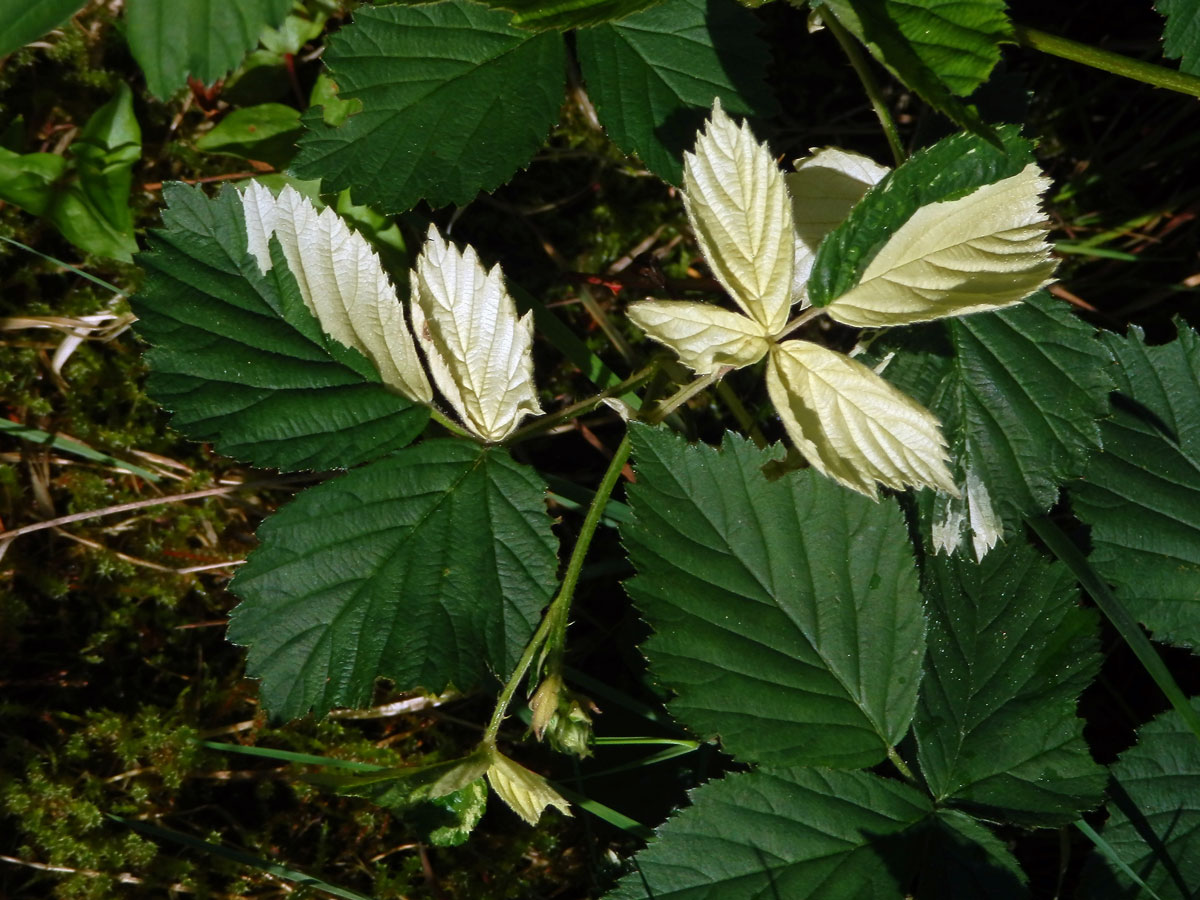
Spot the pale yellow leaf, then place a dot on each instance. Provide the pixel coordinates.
(851, 424)
(706, 337)
(478, 350)
(341, 280)
(525, 792)
(738, 206)
(971, 511)
(824, 188)
(984, 251)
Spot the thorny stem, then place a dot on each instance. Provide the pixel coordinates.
(555, 620)
(863, 70)
(1107, 61)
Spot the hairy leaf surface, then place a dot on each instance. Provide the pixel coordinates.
(478, 350)
(454, 101)
(785, 613)
(428, 567)
(238, 358)
(980, 252)
(950, 169)
(1142, 494)
(738, 205)
(794, 833)
(1019, 393)
(1154, 816)
(653, 76)
(201, 38)
(705, 336)
(1009, 652)
(852, 425)
(563, 14)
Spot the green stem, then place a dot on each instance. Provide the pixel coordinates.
(1062, 547)
(684, 394)
(863, 70)
(449, 424)
(569, 412)
(555, 620)
(1107, 61)
(806, 316)
(900, 764)
(731, 400)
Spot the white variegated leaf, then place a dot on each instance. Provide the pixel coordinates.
(706, 337)
(824, 188)
(980, 252)
(851, 424)
(971, 511)
(478, 350)
(739, 209)
(525, 792)
(341, 280)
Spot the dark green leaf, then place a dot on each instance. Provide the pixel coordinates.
(454, 101)
(267, 132)
(240, 360)
(1181, 36)
(1154, 816)
(429, 568)
(786, 615)
(1019, 393)
(201, 38)
(1009, 651)
(951, 168)
(963, 859)
(22, 21)
(653, 76)
(1142, 494)
(942, 49)
(786, 833)
(562, 14)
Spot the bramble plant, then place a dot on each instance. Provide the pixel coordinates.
(862, 595)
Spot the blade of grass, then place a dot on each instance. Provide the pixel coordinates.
(1110, 854)
(609, 815)
(306, 759)
(1102, 252)
(1062, 547)
(58, 262)
(66, 445)
(295, 876)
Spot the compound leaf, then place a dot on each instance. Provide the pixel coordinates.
(795, 833)
(201, 38)
(950, 169)
(428, 567)
(409, 66)
(653, 76)
(1009, 651)
(785, 613)
(1154, 816)
(239, 359)
(1142, 494)
(1019, 393)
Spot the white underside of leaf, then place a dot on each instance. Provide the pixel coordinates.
(526, 793)
(706, 337)
(973, 510)
(852, 425)
(739, 209)
(984, 251)
(478, 350)
(341, 280)
(824, 188)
